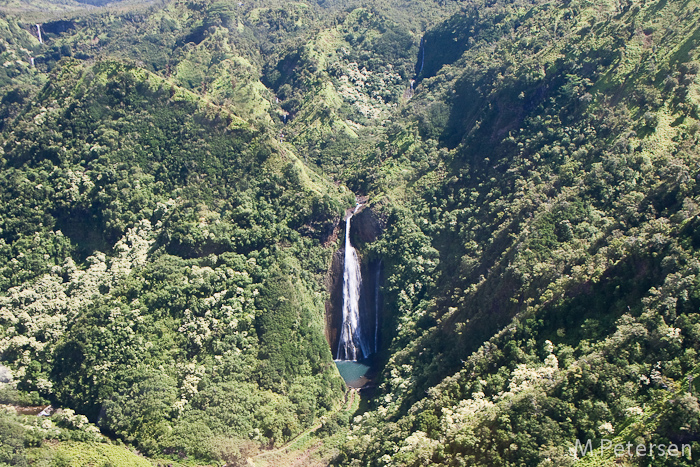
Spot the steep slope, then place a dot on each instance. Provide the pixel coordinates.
(339, 89)
(162, 255)
(540, 191)
(19, 79)
(162, 264)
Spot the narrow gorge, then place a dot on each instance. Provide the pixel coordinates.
(353, 313)
(353, 344)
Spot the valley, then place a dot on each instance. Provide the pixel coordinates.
(207, 205)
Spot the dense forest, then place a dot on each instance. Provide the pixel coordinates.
(173, 180)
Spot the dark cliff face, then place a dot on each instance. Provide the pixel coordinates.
(365, 228)
(334, 305)
(57, 27)
(370, 302)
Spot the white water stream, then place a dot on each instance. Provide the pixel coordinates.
(352, 345)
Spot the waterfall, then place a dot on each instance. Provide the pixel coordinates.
(352, 344)
(422, 60)
(38, 33)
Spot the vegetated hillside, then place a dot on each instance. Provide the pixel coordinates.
(18, 78)
(540, 190)
(162, 265)
(201, 46)
(162, 244)
(42, 10)
(223, 50)
(162, 249)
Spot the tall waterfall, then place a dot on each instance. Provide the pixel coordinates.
(352, 344)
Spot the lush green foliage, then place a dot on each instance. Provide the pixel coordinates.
(549, 163)
(73, 441)
(161, 242)
(149, 240)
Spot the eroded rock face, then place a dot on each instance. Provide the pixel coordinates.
(57, 27)
(334, 305)
(365, 228)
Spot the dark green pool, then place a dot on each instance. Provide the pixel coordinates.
(354, 373)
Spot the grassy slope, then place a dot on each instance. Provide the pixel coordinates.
(86, 454)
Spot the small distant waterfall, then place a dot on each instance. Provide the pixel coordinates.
(422, 60)
(352, 344)
(38, 33)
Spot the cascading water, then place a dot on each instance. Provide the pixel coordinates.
(352, 345)
(422, 60)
